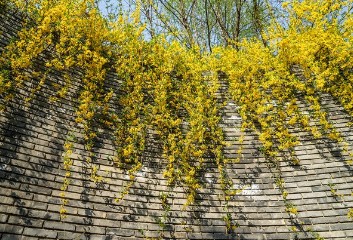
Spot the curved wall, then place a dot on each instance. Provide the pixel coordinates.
(31, 174)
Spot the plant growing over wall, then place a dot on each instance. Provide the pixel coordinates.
(170, 90)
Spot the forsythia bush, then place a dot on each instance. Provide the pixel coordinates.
(171, 91)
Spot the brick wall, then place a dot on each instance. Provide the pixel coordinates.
(31, 174)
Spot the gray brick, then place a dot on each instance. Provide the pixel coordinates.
(36, 232)
(120, 232)
(90, 229)
(222, 236)
(332, 235)
(278, 236)
(28, 145)
(70, 235)
(13, 229)
(11, 237)
(68, 195)
(106, 223)
(133, 225)
(6, 200)
(341, 226)
(195, 236)
(212, 229)
(35, 189)
(98, 237)
(181, 235)
(155, 234)
(3, 218)
(25, 221)
(59, 226)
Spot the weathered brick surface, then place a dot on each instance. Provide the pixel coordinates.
(31, 174)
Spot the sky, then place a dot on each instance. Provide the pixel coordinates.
(113, 5)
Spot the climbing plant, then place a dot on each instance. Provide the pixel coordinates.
(161, 86)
